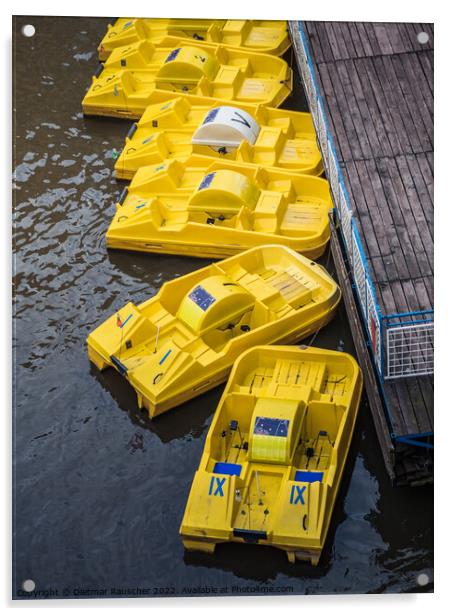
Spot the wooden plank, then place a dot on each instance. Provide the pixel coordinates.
(391, 106)
(336, 119)
(398, 105)
(369, 110)
(425, 187)
(421, 87)
(428, 286)
(311, 30)
(414, 301)
(395, 39)
(388, 304)
(426, 387)
(373, 235)
(412, 94)
(323, 41)
(409, 221)
(348, 39)
(367, 32)
(404, 37)
(353, 108)
(381, 207)
(343, 109)
(424, 292)
(426, 62)
(423, 199)
(378, 273)
(418, 407)
(366, 66)
(394, 403)
(381, 34)
(413, 200)
(330, 34)
(356, 40)
(378, 225)
(403, 235)
(401, 388)
(336, 29)
(364, 39)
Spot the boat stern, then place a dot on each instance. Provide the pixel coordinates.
(211, 508)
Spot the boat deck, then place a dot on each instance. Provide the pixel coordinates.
(376, 81)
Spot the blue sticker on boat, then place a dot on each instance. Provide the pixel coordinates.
(269, 426)
(164, 357)
(148, 140)
(173, 55)
(127, 25)
(227, 468)
(210, 117)
(201, 298)
(206, 181)
(308, 476)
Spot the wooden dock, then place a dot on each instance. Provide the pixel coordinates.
(376, 85)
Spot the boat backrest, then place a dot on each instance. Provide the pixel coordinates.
(322, 417)
(187, 64)
(275, 430)
(216, 303)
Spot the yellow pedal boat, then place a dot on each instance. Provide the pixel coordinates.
(275, 452)
(187, 125)
(184, 340)
(215, 208)
(262, 36)
(131, 73)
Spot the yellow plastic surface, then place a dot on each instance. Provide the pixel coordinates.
(228, 187)
(216, 303)
(188, 66)
(132, 73)
(269, 448)
(252, 35)
(286, 140)
(170, 354)
(277, 489)
(211, 208)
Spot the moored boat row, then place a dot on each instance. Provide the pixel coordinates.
(210, 208)
(262, 36)
(179, 126)
(218, 172)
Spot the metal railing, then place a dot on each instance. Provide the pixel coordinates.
(409, 344)
(407, 348)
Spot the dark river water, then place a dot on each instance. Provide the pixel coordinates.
(99, 490)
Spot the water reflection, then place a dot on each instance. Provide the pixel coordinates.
(189, 420)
